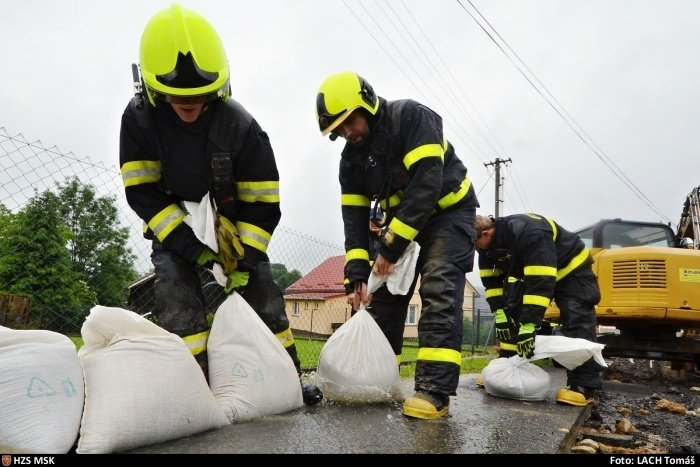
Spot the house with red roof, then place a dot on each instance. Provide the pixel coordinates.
(316, 304)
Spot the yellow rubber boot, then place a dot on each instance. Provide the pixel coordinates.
(578, 396)
(426, 406)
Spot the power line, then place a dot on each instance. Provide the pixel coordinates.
(559, 109)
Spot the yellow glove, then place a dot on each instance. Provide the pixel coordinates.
(230, 246)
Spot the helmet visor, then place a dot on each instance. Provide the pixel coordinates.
(187, 74)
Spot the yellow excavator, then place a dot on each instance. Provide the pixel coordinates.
(649, 277)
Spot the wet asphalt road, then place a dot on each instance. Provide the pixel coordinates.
(477, 423)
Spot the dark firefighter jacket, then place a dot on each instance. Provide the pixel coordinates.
(411, 169)
(528, 255)
(165, 161)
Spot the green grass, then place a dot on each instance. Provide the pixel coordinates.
(309, 351)
(77, 340)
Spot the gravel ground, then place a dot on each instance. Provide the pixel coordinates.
(645, 407)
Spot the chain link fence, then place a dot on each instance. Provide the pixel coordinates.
(68, 235)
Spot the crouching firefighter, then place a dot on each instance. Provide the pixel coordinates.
(182, 137)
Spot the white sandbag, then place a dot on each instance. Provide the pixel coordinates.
(142, 385)
(41, 392)
(357, 363)
(568, 351)
(250, 373)
(399, 281)
(515, 378)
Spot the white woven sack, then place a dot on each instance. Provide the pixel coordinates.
(357, 363)
(142, 385)
(250, 373)
(41, 392)
(516, 378)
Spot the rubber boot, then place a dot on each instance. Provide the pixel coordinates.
(576, 395)
(426, 405)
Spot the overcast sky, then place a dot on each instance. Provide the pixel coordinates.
(626, 70)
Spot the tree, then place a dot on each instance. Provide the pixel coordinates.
(36, 263)
(97, 245)
(5, 219)
(282, 277)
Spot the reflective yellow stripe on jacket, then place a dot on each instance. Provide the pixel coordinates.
(401, 229)
(140, 172)
(260, 192)
(166, 220)
(253, 236)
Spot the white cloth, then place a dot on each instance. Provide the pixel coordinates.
(201, 218)
(399, 281)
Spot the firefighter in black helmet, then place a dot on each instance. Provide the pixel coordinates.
(396, 155)
(185, 138)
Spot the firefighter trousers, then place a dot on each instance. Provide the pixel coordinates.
(576, 296)
(181, 308)
(446, 255)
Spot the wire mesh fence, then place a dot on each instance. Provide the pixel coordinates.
(68, 241)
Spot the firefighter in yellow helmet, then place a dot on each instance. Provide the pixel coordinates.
(186, 137)
(396, 156)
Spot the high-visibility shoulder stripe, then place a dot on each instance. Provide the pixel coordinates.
(166, 220)
(140, 172)
(512, 280)
(536, 300)
(260, 192)
(402, 229)
(354, 200)
(453, 198)
(421, 152)
(577, 261)
(197, 343)
(490, 272)
(493, 293)
(285, 337)
(440, 355)
(540, 271)
(356, 253)
(253, 236)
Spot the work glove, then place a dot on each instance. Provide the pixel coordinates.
(207, 258)
(505, 326)
(229, 242)
(526, 340)
(235, 280)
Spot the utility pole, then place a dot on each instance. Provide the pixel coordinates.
(499, 182)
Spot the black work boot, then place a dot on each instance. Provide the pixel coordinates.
(311, 394)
